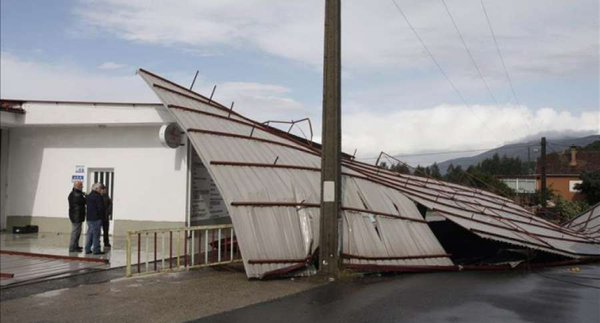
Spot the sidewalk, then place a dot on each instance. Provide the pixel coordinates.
(58, 244)
(172, 297)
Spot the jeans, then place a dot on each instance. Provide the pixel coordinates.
(92, 240)
(75, 234)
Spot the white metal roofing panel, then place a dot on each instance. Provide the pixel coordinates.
(254, 169)
(251, 163)
(482, 213)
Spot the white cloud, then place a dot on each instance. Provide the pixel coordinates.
(28, 79)
(538, 39)
(438, 128)
(110, 66)
(31, 80)
(455, 127)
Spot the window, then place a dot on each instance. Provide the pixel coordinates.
(572, 186)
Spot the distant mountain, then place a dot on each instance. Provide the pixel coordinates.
(525, 151)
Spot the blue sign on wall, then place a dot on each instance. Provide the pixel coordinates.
(76, 178)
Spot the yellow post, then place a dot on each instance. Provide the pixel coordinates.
(178, 247)
(128, 256)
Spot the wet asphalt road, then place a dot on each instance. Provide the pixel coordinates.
(552, 295)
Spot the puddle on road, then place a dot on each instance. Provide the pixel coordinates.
(52, 293)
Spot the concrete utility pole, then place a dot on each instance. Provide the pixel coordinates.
(543, 173)
(329, 254)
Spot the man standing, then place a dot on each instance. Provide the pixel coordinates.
(107, 217)
(76, 215)
(95, 213)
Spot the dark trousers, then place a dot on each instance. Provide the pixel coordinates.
(105, 225)
(75, 234)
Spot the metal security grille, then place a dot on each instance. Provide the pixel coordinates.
(107, 178)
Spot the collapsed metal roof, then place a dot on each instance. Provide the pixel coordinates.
(270, 182)
(588, 222)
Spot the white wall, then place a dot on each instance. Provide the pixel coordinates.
(64, 113)
(150, 180)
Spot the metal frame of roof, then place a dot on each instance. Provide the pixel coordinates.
(270, 183)
(587, 222)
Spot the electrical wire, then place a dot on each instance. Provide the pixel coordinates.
(487, 19)
(435, 61)
(462, 39)
(429, 53)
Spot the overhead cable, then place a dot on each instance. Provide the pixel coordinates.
(512, 88)
(462, 39)
(429, 53)
(412, 28)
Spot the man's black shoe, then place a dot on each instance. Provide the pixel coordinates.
(99, 253)
(88, 252)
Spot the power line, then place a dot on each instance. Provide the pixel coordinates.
(487, 19)
(469, 52)
(412, 28)
(429, 53)
(510, 83)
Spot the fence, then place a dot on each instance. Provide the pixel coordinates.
(159, 250)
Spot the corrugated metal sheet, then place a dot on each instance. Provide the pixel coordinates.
(271, 186)
(588, 222)
(487, 215)
(270, 183)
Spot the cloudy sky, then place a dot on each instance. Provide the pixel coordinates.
(267, 57)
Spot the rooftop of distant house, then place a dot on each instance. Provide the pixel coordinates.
(573, 161)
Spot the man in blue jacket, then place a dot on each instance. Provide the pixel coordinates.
(95, 213)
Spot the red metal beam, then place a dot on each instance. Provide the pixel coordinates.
(262, 165)
(276, 204)
(383, 213)
(277, 261)
(6, 275)
(231, 135)
(350, 256)
(317, 205)
(40, 255)
(399, 269)
(282, 271)
(214, 115)
(476, 231)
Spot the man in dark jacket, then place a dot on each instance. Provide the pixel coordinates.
(108, 216)
(95, 213)
(76, 215)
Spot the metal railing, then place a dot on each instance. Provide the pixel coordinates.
(158, 250)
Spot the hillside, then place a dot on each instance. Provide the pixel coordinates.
(524, 151)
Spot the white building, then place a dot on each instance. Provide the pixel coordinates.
(45, 146)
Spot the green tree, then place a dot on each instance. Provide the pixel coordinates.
(435, 171)
(594, 146)
(568, 210)
(400, 168)
(590, 186)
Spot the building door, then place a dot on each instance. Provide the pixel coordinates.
(106, 176)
